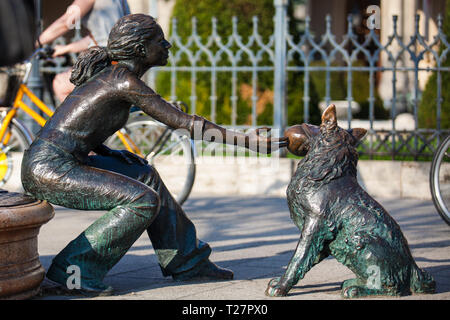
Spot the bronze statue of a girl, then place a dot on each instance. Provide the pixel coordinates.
(58, 166)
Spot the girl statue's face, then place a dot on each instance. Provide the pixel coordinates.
(157, 49)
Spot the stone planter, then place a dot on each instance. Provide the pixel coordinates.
(21, 217)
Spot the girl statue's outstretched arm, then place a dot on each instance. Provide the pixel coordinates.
(198, 128)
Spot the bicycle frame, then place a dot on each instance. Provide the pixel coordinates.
(128, 142)
(19, 104)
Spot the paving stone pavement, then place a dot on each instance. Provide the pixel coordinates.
(254, 237)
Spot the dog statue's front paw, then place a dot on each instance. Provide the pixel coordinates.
(274, 289)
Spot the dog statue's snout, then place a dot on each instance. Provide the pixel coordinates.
(299, 136)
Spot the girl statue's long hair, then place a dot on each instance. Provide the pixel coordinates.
(126, 36)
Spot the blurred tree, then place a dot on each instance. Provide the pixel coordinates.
(224, 11)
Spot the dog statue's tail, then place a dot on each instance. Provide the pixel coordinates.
(421, 281)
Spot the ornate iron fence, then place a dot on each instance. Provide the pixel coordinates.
(283, 54)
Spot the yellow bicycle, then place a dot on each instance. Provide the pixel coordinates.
(142, 135)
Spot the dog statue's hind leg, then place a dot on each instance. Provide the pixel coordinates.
(369, 259)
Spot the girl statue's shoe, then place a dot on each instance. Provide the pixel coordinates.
(205, 271)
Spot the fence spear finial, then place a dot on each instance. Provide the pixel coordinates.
(439, 22)
(416, 23)
(194, 25)
(328, 22)
(394, 20)
(307, 21)
(349, 23)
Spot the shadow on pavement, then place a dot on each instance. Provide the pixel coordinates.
(235, 224)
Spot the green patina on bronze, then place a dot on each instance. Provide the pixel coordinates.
(337, 217)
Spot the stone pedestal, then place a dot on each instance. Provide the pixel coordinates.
(21, 217)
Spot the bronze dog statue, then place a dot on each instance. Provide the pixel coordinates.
(337, 217)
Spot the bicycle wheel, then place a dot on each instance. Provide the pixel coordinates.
(440, 180)
(170, 153)
(11, 152)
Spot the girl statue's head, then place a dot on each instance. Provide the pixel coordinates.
(131, 40)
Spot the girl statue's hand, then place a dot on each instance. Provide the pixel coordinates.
(265, 144)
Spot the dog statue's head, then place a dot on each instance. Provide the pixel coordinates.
(301, 135)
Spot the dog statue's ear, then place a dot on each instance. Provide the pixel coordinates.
(358, 133)
(329, 118)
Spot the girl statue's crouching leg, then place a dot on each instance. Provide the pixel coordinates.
(102, 245)
(173, 235)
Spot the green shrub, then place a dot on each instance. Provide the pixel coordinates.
(295, 100)
(360, 89)
(428, 105)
